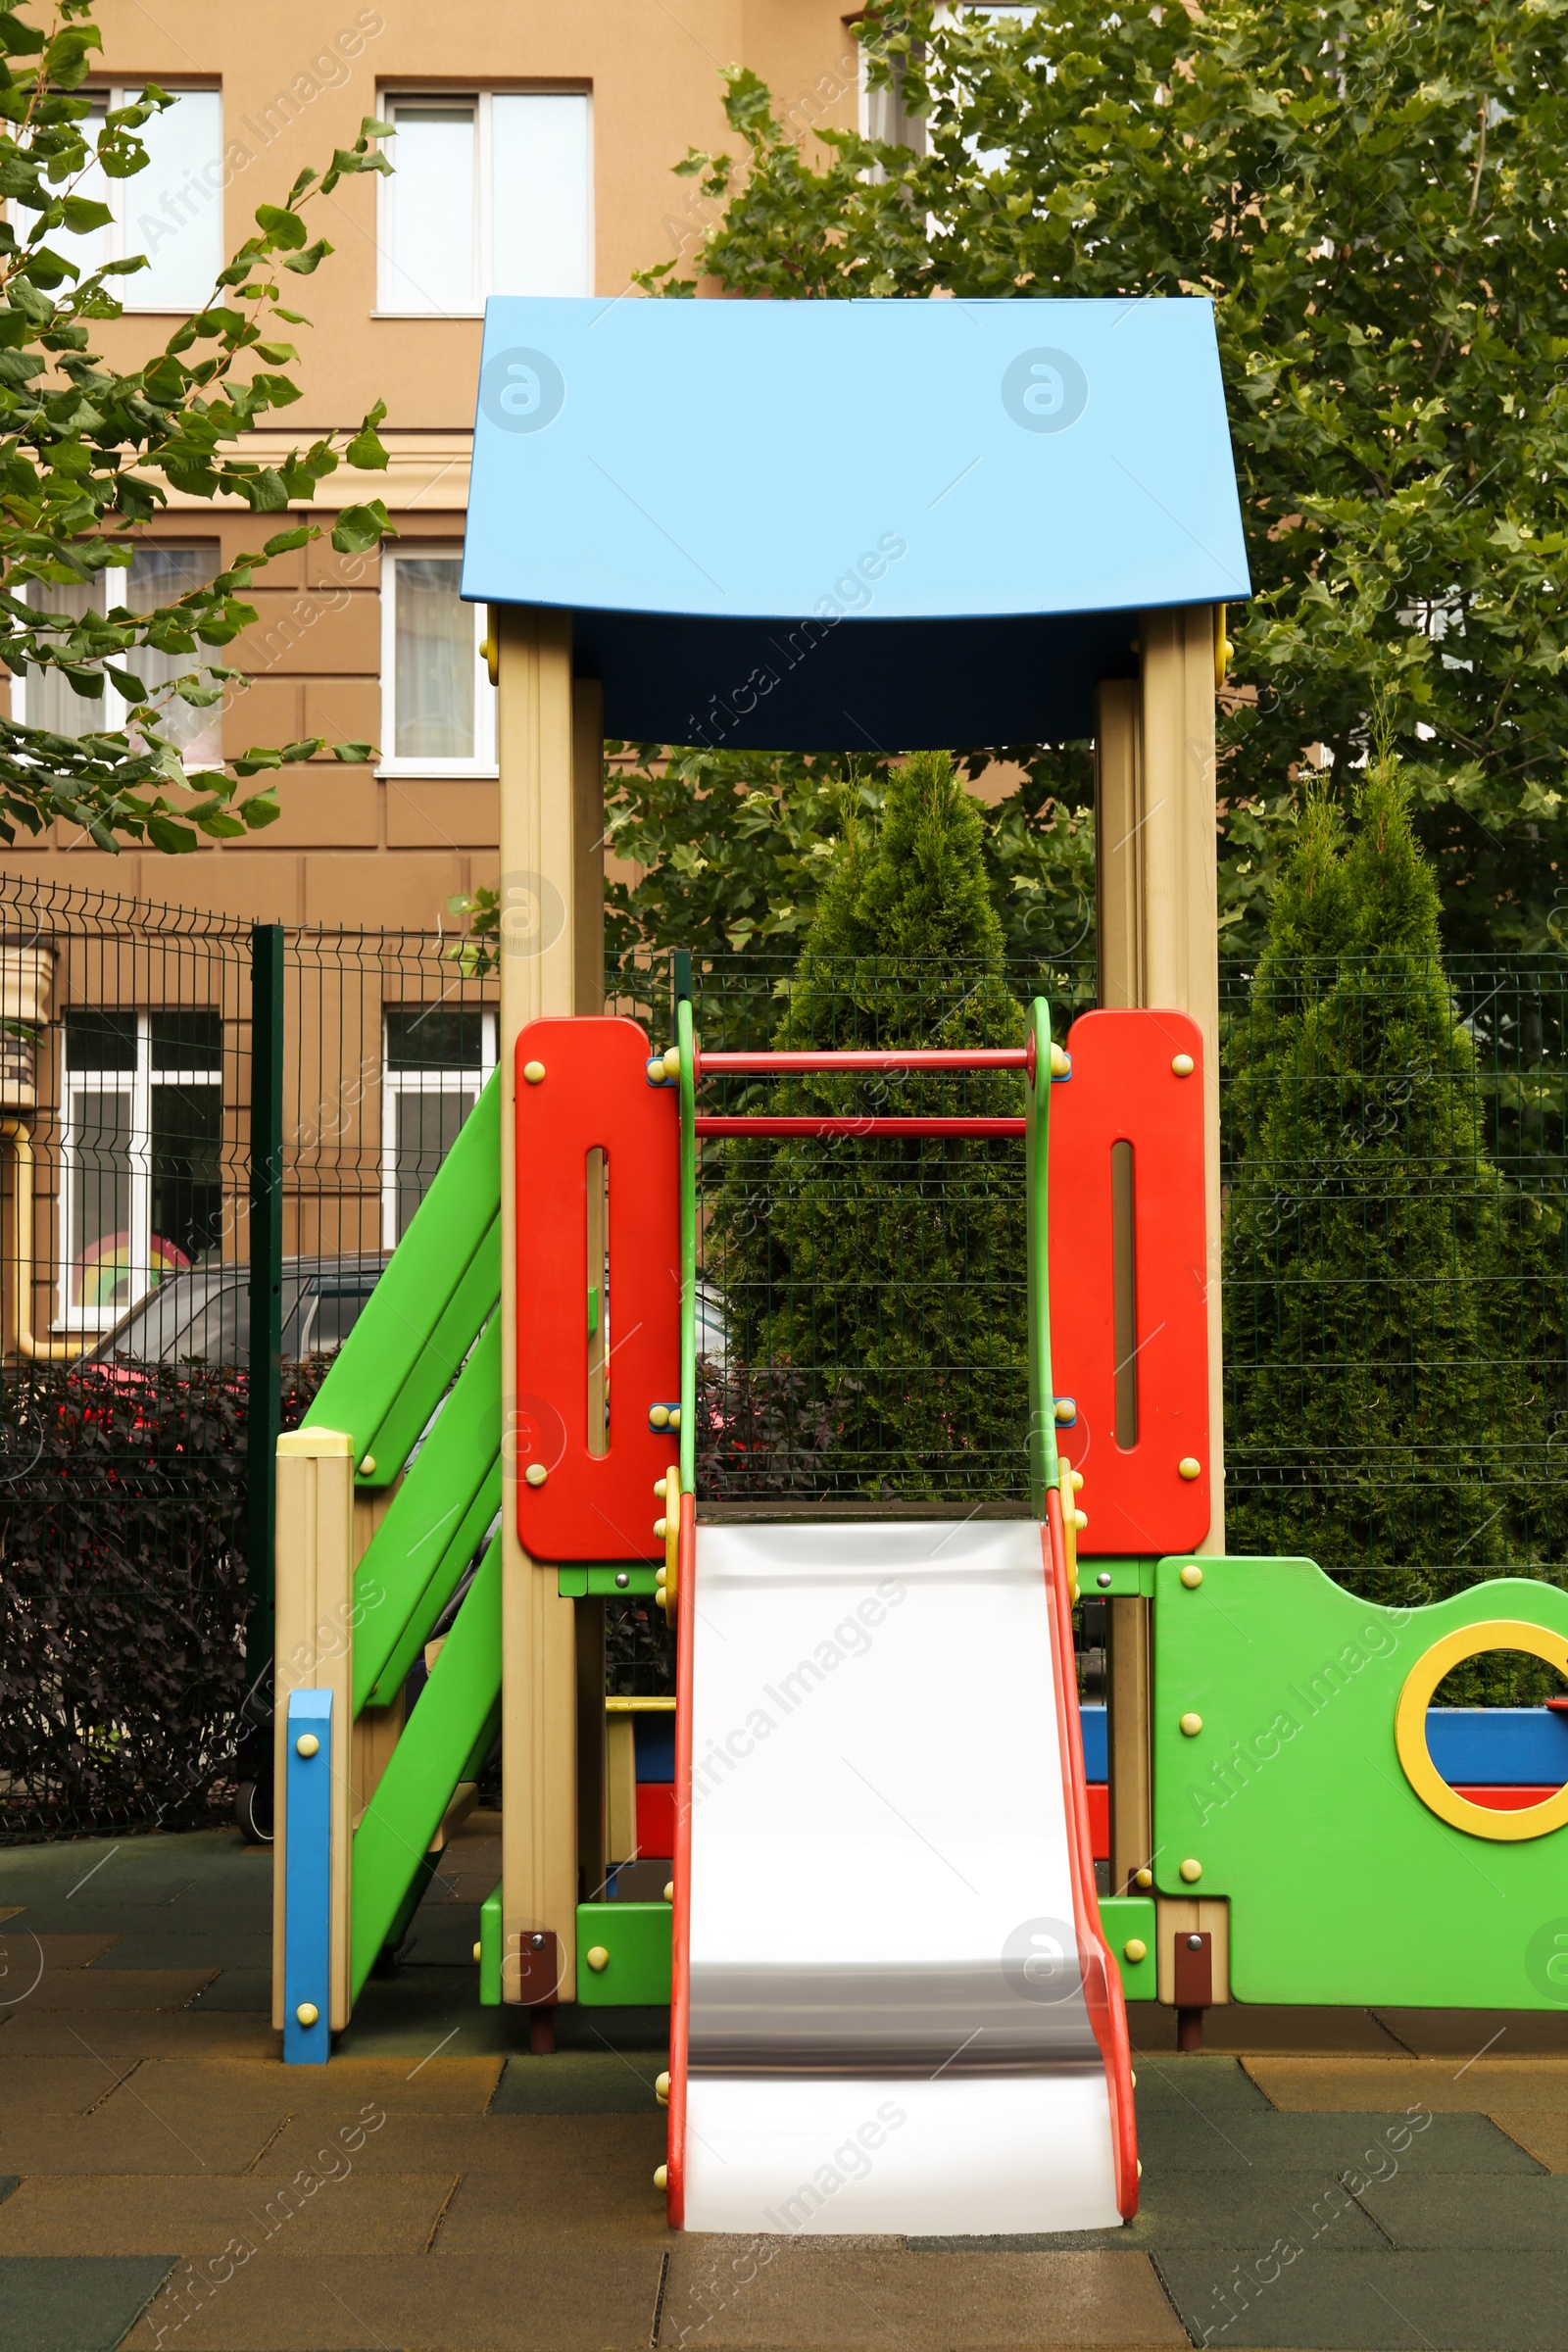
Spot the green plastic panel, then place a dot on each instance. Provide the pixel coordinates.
(1125, 1917)
(472, 1305)
(1116, 1579)
(433, 1524)
(1342, 1886)
(637, 1938)
(612, 1583)
(490, 1952)
(403, 1313)
(460, 1700)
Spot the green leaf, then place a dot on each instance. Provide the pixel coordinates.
(173, 839)
(281, 542)
(281, 225)
(259, 810)
(354, 755)
(359, 528)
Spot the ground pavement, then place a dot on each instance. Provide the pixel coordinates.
(1314, 2180)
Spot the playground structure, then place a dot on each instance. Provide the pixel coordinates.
(1046, 551)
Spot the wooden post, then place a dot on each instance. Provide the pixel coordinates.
(314, 1604)
(1158, 945)
(551, 946)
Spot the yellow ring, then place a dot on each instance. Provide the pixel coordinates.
(1410, 1730)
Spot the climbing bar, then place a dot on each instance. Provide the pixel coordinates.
(770, 1065)
(762, 1125)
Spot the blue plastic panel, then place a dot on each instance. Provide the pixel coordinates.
(308, 1880)
(1503, 1747)
(1095, 1744)
(655, 1742)
(750, 566)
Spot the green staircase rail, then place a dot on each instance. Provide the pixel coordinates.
(447, 1735)
(405, 1346)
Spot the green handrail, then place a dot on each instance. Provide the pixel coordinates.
(1044, 1468)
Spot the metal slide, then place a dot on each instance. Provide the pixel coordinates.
(893, 2005)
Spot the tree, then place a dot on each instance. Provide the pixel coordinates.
(88, 453)
(884, 1277)
(1372, 196)
(1386, 1302)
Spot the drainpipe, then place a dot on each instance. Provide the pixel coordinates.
(38, 1351)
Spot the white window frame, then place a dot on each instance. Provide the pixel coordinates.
(397, 1083)
(482, 762)
(126, 93)
(114, 583)
(386, 305)
(139, 1085)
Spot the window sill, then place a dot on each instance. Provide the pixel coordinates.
(447, 315)
(433, 771)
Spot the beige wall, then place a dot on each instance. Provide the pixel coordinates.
(353, 848)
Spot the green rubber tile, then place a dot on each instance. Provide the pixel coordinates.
(1468, 2033)
(1437, 2302)
(1370, 2144)
(1194, 2209)
(415, 2011)
(756, 2292)
(20, 1945)
(74, 2303)
(580, 2083)
(612, 2029)
(1473, 2213)
(443, 1936)
(1208, 2084)
(196, 1945)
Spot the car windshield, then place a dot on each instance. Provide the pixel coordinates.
(195, 1314)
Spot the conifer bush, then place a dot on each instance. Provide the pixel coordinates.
(874, 1287)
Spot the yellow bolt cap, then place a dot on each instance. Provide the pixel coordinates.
(658, 1418)
(672, 1062)
(306, 1744)
(1191, 1725)
(1191, 1576)
(536, 1474)
(1143, 1878)
(1132, 2079)
(1080, 1520)
(368, 1466)
(1077, 1480)
(1135, 1949)
(656, 1069)
(1192, 1870)
(533, 1071)
(670, 1891)
(598, 1958)
(661, 2177)
(661, 2089)
(674, 1418)
(1182, 1064)
(1064, 1408)
(1059, 1065)
(661, 1528)
(478, 1951)
(306, 2014)
(1139, 2168)
(1190, 1466)
(660, 1487)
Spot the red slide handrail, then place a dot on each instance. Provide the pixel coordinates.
(681, 1978)
(1103, 1994)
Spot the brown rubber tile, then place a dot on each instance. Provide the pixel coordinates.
(90, 1992)
(138, 2034)
(1461, 2033)
(1239, 2027)
(590, 2297)
(761, 2292)
(456, 2087)
(31, 2085)
(574, 2170)
(394, 2213)
(55, 1951)
(1366, 2085)
(128, 2135)
(550, 2187)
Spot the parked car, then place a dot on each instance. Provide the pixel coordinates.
(203, 1315)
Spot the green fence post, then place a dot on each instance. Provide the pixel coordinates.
(267, 1284)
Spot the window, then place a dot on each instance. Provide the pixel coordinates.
(172, 212)
(492, 194)
(440, 715)
(144, 1157)
(158, 574)
(437, 1058)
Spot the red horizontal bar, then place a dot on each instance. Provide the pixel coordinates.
(780, 1066)
(822, 1127)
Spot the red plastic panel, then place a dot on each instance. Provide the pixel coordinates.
(1099, 1795)
(656, 1820)
(1513, 1799)
(594, 1094)
(1123, 1089)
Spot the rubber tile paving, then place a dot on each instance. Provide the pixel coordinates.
(393, 2214)
(756, 2293)
(57, 2085)
(126, 2135)
(522, 2206)
(580, 2082)
(1250, 2211)
(1241, 2027)
(80, 2303)
(1376, 2145)
(1470, 2214)
(573, 2170)
(1319, 2086)
(134, 2034)
(589, 2297)
(1324, 2302)
(1462, 2033)
(178, 2087)
(24, 1954)
(89, 1991)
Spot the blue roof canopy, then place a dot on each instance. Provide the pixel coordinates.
(839, 525)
